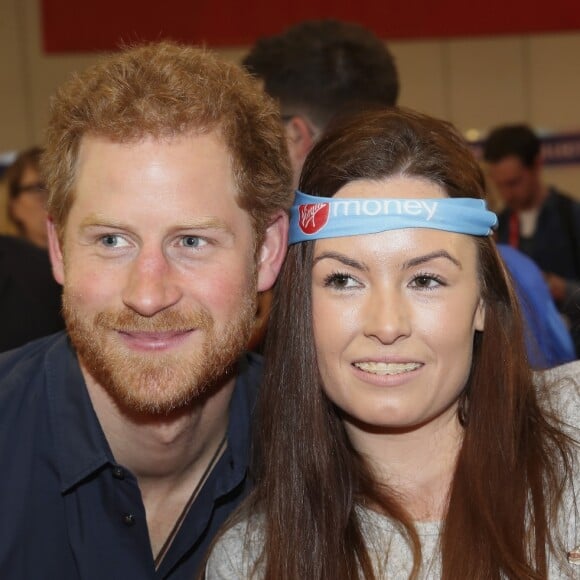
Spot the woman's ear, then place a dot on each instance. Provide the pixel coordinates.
(479, 322)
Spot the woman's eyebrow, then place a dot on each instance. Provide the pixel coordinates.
(430, 256)
(342, 259)
(412, 262)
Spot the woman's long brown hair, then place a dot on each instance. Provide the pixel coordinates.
(514, 460)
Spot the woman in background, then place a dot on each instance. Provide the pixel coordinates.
(399, 432)
(27, 197)
(30, 298)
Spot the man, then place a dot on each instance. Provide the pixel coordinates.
(318, 70)
(124, 443)
(541, 221)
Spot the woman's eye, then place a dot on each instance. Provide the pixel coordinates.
(427, 281)
(340, 281)
(113, 241)
(193, 242)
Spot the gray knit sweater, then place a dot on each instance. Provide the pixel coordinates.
(236, 551)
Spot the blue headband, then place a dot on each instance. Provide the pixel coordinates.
(312, 218)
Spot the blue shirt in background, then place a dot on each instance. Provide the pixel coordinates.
(548, 341)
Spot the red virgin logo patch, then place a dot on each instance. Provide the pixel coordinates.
(313, 217)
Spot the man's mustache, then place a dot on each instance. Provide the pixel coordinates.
(165, 321)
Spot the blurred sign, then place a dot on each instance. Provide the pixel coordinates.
(557, 148)
(561, 149)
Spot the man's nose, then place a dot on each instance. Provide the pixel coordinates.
(151, 284)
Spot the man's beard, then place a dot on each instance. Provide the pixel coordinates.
(157, 383)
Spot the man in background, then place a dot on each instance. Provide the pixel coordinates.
(124, 442)
(538, 219)
(317, 70)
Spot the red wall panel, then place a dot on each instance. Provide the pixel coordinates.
(88, 25)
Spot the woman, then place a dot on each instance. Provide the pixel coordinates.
(27, 197)
(399, 432)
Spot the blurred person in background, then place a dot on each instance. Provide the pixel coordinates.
(318, 70)
(538, 219)
(30, 300)
(548, 341)
(27, 197)
(30, 297)
(6, 225)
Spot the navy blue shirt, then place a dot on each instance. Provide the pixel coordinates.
(555, 245)
(68, 510)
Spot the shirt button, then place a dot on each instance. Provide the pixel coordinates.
(129, 520)
(118, 473)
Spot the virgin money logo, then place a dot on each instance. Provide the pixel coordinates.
(313, 217)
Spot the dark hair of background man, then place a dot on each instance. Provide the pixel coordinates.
(320, 68)
(512, 140)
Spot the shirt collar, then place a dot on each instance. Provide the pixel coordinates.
(239, 426)
(81, 446)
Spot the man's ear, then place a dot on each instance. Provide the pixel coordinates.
(300, 137)
(272, 251)
(55, 252)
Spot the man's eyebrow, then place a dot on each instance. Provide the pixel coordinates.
(340, 258)
(430, 256)
(209, 223)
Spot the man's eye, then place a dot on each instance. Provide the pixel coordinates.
(113, 241)
(193, 242)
